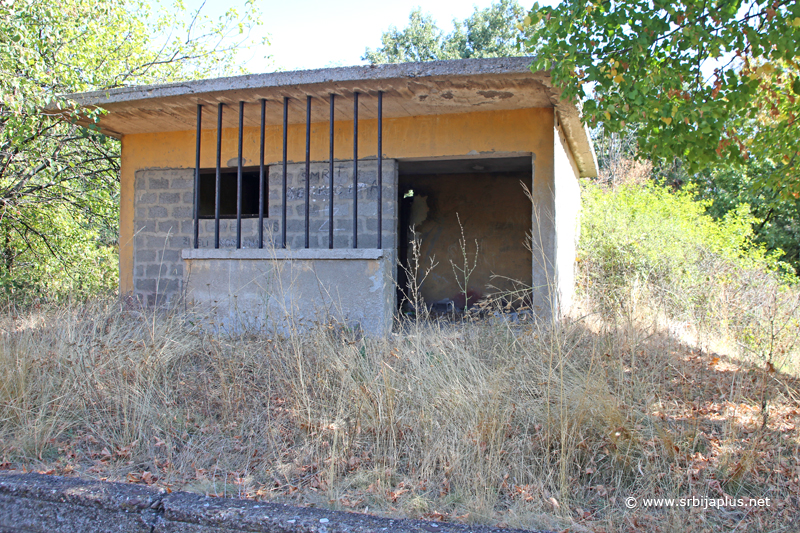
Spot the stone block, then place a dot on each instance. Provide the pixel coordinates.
(169, 255)
(157, 212)
(145, 227)
(157, 243)
(155, 183)
(342, 241)
(372, 224)
(169, 197)
(156, 271)
(168, 226)
(368, 209)
(147, 285)
(367, 241)
(182, 183)
(168, 286)
(148, 198)
(182, 212)
(295, 226)
(145, 256)
(316, 178)
(367, 192)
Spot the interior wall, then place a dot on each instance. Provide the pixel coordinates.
(495, 215)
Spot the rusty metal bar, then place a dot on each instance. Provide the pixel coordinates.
(355, 170)
(219, 177)
(283, 203)
(330, 182)
(197, 178)
(261, 184)
(380, 168)
(308, 164)
(239, 179)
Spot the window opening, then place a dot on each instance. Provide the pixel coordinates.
(227, 194)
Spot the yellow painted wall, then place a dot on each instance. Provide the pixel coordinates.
(429, 136)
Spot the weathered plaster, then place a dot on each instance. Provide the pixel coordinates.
(567, 203)
(244, 291)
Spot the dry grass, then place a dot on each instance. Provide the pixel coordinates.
(490, 422)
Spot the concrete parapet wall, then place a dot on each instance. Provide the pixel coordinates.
(34, 503)
(259, 290)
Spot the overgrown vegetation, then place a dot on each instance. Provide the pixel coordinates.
(647, 244)
(676, 379)
(59, 183)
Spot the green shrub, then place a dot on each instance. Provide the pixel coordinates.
(65, 259)
(646, 250)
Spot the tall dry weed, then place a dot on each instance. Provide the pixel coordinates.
(496, 421)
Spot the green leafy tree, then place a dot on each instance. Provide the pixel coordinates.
(492, 32)
(59, 187)
(777, 216)
(711, 83)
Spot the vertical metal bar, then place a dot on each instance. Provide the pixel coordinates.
(197, 178)
(308, 162)
(380, 168)
(355, 170)
(285, 135)
(219, 177)
(239, 179)
(261, 184)
(330, 181)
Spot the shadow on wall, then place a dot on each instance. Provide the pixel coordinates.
(475, 226)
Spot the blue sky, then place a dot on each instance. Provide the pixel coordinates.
(315, 34)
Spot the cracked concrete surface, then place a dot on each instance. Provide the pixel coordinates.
(40, 503)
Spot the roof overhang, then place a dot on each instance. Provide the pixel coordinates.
(410, 89)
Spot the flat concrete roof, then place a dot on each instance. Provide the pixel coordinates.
(425, 88)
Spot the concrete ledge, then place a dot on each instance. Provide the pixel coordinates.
(46, 504)
(40, 503)
(282, 254)
(428, 69)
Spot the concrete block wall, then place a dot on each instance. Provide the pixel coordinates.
(319, 193)
(163, 200)
(163, 223)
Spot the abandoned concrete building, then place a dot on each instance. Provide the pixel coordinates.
(295, 195)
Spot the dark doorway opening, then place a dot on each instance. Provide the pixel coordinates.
(474, 218)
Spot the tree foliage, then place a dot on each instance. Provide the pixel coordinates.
(58, 181)
(491, 32)
(708, 82)
(777, 216)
